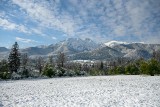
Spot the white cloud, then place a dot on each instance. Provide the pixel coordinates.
(38, 31)
(5, 24)
(25, 40)
(2, 14)
(41, 13)
(119, 30)
(138, 13)
(104, 19)
(54, 38)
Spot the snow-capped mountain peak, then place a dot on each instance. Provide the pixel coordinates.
(113, 43)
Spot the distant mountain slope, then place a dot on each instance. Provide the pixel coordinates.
(3, 49)
(68, 46)
(98, 54)
(125, 48)
(37, 50)
(138, 54)
(4, 53)
(133, 50)
(75, 45)
(137, 50)
(86, 49)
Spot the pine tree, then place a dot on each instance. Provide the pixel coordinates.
(48, 70)
(101, 66)
(14, 58)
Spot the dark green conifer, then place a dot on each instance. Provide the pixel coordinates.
(14, 58)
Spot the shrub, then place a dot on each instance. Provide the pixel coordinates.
(80, 73)
(72, 73)
(58, 73)
(120, 70)
(153, 67)
(5, 75)
(25, 73)
(132, 69)
(144, 67)
(48, 71)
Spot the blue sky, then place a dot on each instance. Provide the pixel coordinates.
(44, 22)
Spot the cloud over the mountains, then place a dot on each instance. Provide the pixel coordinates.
(25, 40)
(12, 26)
(100, 20)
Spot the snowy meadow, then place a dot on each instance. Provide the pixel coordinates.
(95, 91)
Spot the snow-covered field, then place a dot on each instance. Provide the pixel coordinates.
(100, 91)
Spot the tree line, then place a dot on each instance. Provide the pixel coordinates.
(19, 65)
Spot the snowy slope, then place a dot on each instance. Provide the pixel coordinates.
(86, 49)
(77, 45)
(98, 54)
(68, 46)
(99, 91)
(114, 43)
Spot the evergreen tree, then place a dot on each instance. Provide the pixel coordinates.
(102, 65)
(144, 67)
(4, 74)
(120, 70)
(153, 67)
(14, 58)
(48, 70)
(3, 66)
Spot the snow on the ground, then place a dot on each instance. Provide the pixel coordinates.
(114, 43)
(100, 91)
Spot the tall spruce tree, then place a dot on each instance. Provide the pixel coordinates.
(14, 58)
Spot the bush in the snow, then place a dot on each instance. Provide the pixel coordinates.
(62, 72)
(120, 70)
(69, 73)
(82, 73)
(58, 73)
(153, 67)
(5, 75)
(132, 69)
(72, 73)
(25, 73)
(150, 67)
(16, 76)
(48, 71)
(4, 70)
(144, 67)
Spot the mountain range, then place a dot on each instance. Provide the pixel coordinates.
(86, 49)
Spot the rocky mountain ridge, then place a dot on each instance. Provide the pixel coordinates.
(78, 49)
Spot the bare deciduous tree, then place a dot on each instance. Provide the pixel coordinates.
(51, 61)
(39, 63)
(24, 60)
(61, 59)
